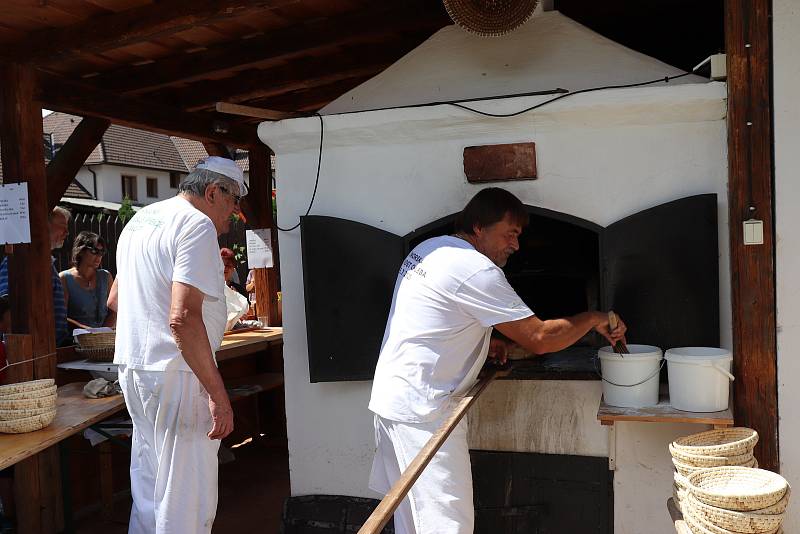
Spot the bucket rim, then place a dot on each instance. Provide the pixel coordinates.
(675, 355)
(654, 353)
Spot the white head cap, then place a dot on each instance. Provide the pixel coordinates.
(226, 167)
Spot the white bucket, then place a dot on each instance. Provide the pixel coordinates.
(630, 380)
(699, 378)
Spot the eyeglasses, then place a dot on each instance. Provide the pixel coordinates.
(236, 198)
(96, 251)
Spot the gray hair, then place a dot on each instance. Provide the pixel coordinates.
(59, 210)
(198, 180)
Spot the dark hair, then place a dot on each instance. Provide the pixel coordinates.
(228, 258)
(489, 206)
(5, 306)
(83, 241)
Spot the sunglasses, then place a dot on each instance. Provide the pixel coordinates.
(96, 251)
(236, 198)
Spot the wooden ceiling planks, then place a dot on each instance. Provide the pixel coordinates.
(112, 30)
(300, 39)
(143, 63)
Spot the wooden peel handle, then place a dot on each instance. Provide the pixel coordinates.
(397, 493)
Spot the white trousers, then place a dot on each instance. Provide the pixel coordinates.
(440, 502)
(173, 463)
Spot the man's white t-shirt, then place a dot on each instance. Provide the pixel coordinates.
(169, 241)
(447, 298)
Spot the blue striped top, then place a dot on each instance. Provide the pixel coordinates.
(59, 306)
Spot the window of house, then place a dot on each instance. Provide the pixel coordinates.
(129, 187)
(174, 180)
(152, 187)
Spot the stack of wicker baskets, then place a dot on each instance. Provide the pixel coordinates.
(97, 346)
(27, 406)
(719, 488)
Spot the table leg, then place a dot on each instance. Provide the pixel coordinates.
(66, 488)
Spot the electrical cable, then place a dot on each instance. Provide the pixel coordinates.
(457, 103)
(316, 182)
(665, 79)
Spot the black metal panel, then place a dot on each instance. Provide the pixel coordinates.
(328, 514)
(541, 493)
(349, 272)
(661, 273)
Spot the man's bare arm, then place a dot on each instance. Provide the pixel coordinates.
(189, 331)
(542, 337)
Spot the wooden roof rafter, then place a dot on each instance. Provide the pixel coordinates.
(61, 94)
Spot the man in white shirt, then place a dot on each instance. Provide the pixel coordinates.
(171, 314)
(450, 293)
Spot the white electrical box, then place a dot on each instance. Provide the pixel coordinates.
(753, 232)
(718, 67)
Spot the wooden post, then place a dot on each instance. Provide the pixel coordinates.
(30, 275)
(259, 214)
(747, 44)
(30, 270)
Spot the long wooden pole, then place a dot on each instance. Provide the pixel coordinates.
(397, 493)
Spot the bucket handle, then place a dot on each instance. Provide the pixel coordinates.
(597, 371)
(715, 366)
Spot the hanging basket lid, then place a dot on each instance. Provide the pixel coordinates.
(490, 18)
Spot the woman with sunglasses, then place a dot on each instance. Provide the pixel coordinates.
(86, 285)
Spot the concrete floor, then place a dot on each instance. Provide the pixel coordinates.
(252, 491)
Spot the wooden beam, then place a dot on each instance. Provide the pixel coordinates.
(30, 274)
(115, 30)
(302, 73)
(79, 99)
(258, 210)
(747, 44)
(311, 99)
(71, 157)
(250, 111)
(379, 19)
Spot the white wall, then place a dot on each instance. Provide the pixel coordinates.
(109, 183)
(786, 76)
(600, 156)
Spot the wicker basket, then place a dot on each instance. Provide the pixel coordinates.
(734, 441)
(22, 413)
(744, 522)
(25, 387)
(101, 354)
(696, 460)
(490, 17)
(96, 340)
(685, 470)
(738, 488)
(28, 424)
(696, 527)
(34, 394)
(21, 404)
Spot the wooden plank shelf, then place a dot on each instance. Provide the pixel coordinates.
(663, 412)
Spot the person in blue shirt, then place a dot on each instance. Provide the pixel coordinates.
(57, 221)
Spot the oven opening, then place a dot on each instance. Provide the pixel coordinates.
(556, 272)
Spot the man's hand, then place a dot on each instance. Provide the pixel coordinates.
(222, 417)
(604, 329)
(498, 350)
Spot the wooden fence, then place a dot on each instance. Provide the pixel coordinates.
(107, 224)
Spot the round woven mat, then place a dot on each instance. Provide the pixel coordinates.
(490, 17)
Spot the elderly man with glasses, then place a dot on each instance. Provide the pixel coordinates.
(170, 303)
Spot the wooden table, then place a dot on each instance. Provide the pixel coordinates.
(235, 344)
(663, 412)
(74, 413)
